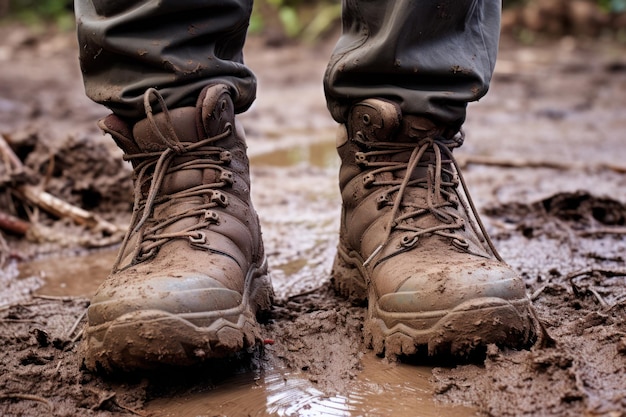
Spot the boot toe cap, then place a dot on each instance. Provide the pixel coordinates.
(446, 289)
(185, 294)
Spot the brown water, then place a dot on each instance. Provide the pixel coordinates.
(317, 154)
(71, 275)
(381, 389)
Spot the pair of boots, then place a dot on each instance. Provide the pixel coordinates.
(191, 274)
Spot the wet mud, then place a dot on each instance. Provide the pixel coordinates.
(544, 159)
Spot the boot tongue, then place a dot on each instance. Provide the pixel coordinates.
(183, 122)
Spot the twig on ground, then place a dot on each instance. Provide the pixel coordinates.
(29, 397)
(126, 408)
(606, 273)
(61, 208)
(13, 224)
(580, 289)
(541, 289)
(54, 205)
(537, 293)
(600, 299)
(603, 231)
(465, 160)
(77, 337)
(304, 293)
(57, 298)
(109, 397)
(76, 323)
(543, 337)
(620, 302)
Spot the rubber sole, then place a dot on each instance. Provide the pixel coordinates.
(459, 331)
(150, 339)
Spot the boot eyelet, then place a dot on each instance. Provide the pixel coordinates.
(368, 180)
(382, 201)
(198, 238)
(460, 243)
(367, 119)
(211, 217)
(144, 256)
(408, 241)
(360, 158)
(226, 177)
(226, 157)
(223, 105)
(219, 198)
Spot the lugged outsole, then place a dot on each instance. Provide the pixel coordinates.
(150, 339)
(460, 331)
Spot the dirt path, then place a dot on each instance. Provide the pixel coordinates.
(544, 159)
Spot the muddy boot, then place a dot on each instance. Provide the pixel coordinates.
(412, 244)
(191, 273)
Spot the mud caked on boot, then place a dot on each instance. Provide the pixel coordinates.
(191, 273)
(411, 242)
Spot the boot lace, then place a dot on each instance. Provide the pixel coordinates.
(442, 200)
(150, 169)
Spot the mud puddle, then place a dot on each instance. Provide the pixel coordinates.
(381, 389)
(71, 276)
(321, 154)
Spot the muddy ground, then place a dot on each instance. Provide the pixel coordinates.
(546, 163)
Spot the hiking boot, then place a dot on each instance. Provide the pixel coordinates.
(191, 273)
(412, 245)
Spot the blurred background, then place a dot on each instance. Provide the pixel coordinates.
(310, 19)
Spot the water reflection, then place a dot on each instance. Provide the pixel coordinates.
(289, 395)
(381, 389)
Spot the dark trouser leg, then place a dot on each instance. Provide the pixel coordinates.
(176, 46)
(410, 241)
(191, 274)
(431, 57)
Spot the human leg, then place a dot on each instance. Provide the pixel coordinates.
(410, 242)
(177, 46)
(191, 273)
(430, 57)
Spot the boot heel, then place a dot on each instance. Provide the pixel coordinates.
(346, 277)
